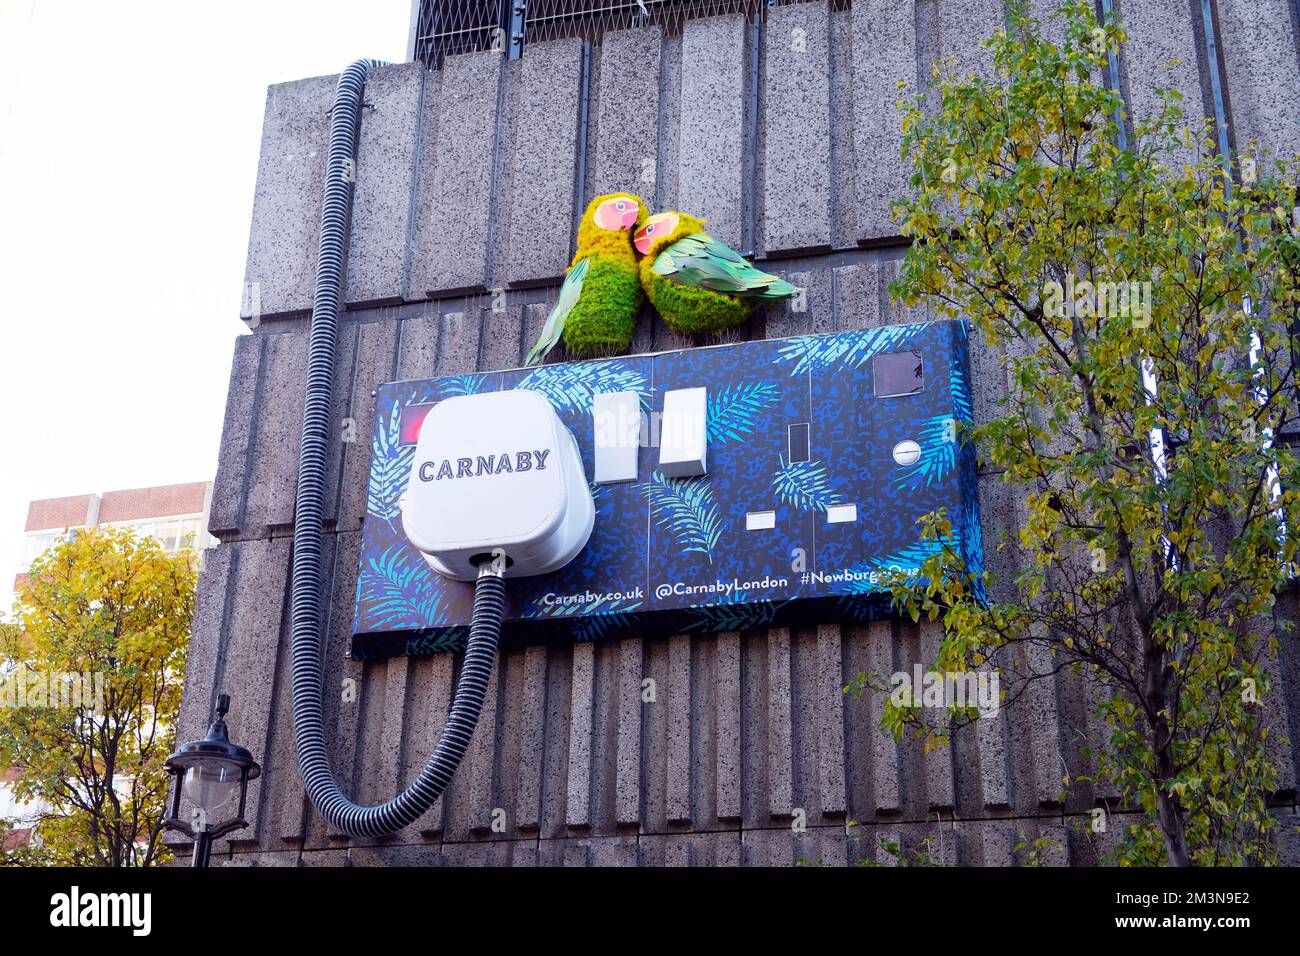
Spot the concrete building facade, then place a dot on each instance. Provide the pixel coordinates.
(782, 130)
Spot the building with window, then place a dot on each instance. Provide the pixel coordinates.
(175, 515)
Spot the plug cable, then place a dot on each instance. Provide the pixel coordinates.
(307, 643)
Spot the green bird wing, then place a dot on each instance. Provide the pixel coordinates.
(700, 260)
(569, 293)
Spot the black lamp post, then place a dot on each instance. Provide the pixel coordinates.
(208, 772)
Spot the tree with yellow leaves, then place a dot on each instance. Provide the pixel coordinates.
(1141, 289)
(90, 682)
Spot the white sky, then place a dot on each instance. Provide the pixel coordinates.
(129, 135)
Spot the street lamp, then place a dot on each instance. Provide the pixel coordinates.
(209, 771)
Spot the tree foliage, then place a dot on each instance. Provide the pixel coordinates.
(115, 610)
(1158, 522)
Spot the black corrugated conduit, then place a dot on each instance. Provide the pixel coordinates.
(305, 612)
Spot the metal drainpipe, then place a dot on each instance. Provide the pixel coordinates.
(751, 161)
(1216, 89)
(1112, 69)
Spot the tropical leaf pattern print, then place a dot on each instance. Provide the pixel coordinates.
(390, 467)
(399, 591)
(938, 440)
(909, 558)
(803, 485)
(813, 353)
(733, 616)
(684, 507)
(736, 410)
(463, 385)
(595, 627)
(959, 388)
(570, 387)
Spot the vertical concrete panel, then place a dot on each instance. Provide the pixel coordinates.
(509, 733)
(885, 769)
(797, 128)
(281, 266)
(350, 430)
(844, 182)
(809, 313)
(251, 652)
(628, 798)
(626, 115)
(780, 767)
(939, 779)
(578, 813)
(727, 771)
(964, 25)
(555, 770)
(389, 780)
(472, 813)
(830, 719)
(711, 154)
(376, 358)
(544, 161)
(225, 515)
(343, 683)
(884, 54)
(459, 342)
(1043, 725)
(654, 740)
(418, 357)
(857, 296)
(201, 662)
(285, 804)
(427, 689)
(1258, 40)
(274, 473)
(991, 738)
(535, 314)
(1161, 52)
(679, 729)
(381, 200)
(528, 796)
(502, 334)
(668, 167)
(453, 225)
(442, 681)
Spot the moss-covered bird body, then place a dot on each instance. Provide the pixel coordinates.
(698, 284)
(596, 311)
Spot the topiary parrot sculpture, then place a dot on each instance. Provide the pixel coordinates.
(596, 311)
(697, 283)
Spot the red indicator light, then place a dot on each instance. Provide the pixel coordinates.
(413, 416)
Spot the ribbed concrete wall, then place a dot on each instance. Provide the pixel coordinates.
(465, 208)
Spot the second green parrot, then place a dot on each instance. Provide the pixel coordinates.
(697, 283)
(595, 313)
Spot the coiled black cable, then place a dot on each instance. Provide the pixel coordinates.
(307, 652)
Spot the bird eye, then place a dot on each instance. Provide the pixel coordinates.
(649, 230)
(621, 206)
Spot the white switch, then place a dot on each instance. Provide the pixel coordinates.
(616, 417)
(683, 442)
(838, 514)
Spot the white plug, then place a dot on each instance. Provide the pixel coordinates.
(497, 472)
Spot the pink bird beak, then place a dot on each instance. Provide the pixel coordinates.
(629, 216)
(642, 241)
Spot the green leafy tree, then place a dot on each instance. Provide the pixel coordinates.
(113, 609)
(1159, 517)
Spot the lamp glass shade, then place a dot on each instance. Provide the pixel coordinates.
(211, 784)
